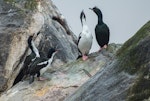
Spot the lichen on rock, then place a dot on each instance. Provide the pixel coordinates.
(118, 73)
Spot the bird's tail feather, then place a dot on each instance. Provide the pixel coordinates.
(31, 80)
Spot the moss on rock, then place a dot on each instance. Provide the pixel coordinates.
(31, 4)
(133, 41)
(134, 58)
(28, 4)
(141, 89)
(135, 52)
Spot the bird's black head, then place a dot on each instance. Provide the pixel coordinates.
(97, 11)
(30, 39)
(51, 52)
(82, 16)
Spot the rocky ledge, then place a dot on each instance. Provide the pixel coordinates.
(62, 81)
(119, 73)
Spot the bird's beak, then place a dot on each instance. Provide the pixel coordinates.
(58, 50)
(91, 8)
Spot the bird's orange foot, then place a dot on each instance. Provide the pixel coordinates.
(105, 46)
(99, 50)
(84, 57)
(41, 78)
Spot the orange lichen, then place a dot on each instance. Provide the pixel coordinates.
(41, 92)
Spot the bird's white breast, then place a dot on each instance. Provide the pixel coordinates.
(43, 70)
(85, 41)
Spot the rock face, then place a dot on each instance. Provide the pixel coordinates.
(126, 78)
(110, 75)
(62, 81)
(18, 20)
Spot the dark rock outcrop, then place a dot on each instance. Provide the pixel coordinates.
(21, 18)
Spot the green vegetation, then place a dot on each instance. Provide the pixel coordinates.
(130, 55)
(132, 42)
(28, 5)
(134, 58)
(141, 89)
(31, 4)
(10, 1)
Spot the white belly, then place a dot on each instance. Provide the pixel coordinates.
(43, 70)
(85, 44)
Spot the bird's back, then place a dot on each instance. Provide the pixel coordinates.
(102, 34)
(35, 67)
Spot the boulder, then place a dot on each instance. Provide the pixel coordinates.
(19, 20)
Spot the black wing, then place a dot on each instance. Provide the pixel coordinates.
(80, 54)
(102, 34)
(24, 71)
(37, 65)
(79, 38)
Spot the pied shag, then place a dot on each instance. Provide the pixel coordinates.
(85, 38)
(40, 65)
(34, 54)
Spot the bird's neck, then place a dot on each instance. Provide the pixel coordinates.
(34, 49)
(83, 21)
(100, 17)
(85, 27)
(51, 58)
(100, 20)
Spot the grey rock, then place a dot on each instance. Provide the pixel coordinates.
(126, 78)
(118, 73)
(62, 81)
(19, 20)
